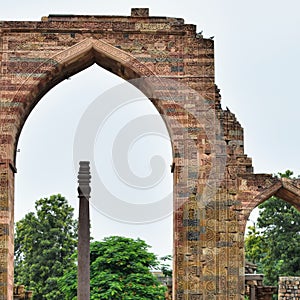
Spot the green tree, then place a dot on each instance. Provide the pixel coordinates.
(165, 266)
(120, 270)
(274, 243)
(44, 244)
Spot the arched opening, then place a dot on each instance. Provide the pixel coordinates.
(272, 238)
(191, 117)
(59, 120)
(45, 161)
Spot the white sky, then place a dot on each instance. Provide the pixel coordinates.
(257, 47)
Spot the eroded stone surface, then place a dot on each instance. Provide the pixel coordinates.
(289, 288)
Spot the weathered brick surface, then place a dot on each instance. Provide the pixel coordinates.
(214, 186)
(289, 288)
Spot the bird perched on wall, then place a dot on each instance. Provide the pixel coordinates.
(199, 35)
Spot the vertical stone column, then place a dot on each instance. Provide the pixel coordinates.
(7, 170)
(84, 189)
(6, 229)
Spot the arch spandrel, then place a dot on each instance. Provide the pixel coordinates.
(290, 191)
(99, 50)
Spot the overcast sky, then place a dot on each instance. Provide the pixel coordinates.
(257, 47)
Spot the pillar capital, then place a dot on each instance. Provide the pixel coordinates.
(84, 179)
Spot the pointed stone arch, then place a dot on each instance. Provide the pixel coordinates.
(257, 188)
(105, 55)
(73, 60)
(210, 215)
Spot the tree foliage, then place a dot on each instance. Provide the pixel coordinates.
(274, 243)
(165, 266)
(44, 243)
(120, 270)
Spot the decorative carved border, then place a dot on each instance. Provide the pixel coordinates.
(102, 47)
